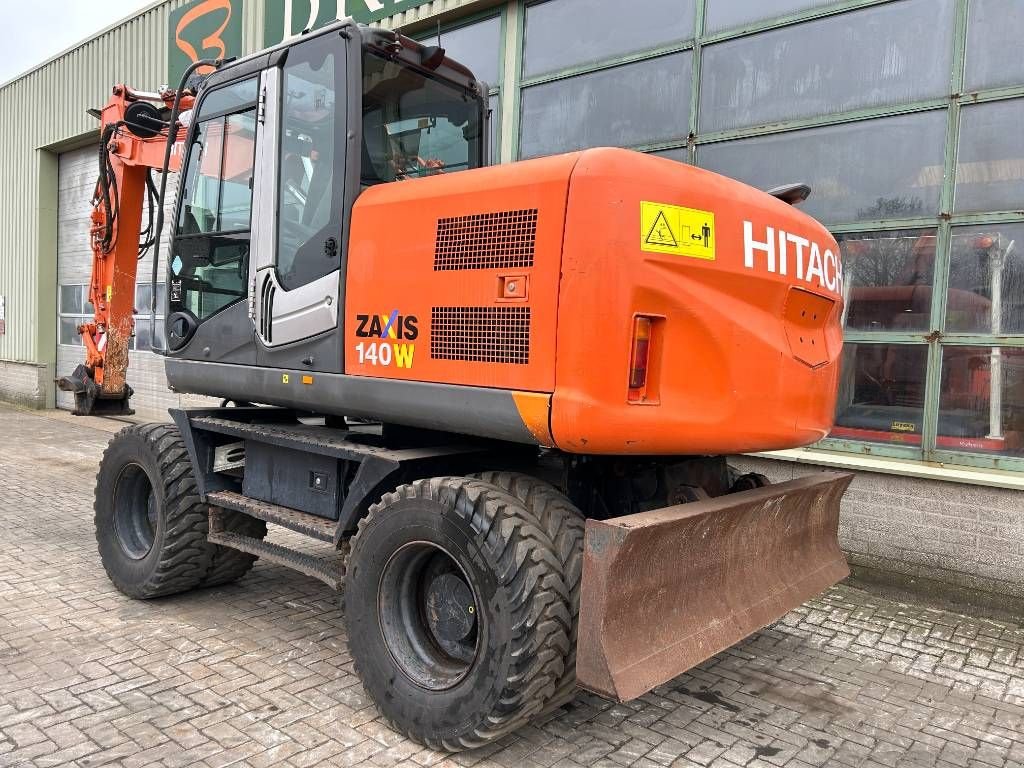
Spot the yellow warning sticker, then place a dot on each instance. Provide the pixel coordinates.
(676, 230)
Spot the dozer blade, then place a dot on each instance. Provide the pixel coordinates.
(666, 589)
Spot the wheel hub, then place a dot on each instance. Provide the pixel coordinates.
(451, 613)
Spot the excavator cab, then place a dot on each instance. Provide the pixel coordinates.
(279, 146)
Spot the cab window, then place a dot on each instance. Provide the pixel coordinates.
(209, 261)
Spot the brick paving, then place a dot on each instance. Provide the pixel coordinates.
(258, 673)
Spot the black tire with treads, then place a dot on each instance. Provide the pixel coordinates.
(522, 610)
(565, 525)
(179, 556)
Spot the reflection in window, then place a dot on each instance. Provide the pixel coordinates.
(634, 104)
(414, 126)
(981, 408)
(853, 171)
(986, 280)
(887, 54)
(881, 393)
(476, 46)
(209, 264)
(990, 163)
(993, 44)
(723, 14)
(888, 277)
(218, 185)
(567, 33)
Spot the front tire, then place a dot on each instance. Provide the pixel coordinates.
(150, 522)
(457, 612)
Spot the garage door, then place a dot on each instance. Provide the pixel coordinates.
(76, 181)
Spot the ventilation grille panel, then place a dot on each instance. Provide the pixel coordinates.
(480, 334)
(486, 240)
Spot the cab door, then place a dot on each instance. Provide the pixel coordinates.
(209, 259)
(299, 208)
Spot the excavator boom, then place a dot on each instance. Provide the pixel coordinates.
(133, 141)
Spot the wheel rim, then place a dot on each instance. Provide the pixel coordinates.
(428, 615)
(135, 515)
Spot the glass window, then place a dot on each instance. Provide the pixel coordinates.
(415, 126)
(990, 163)
(71, 299)
(986, 280)
(477, 46)
(74, 309)
(888, 279)
(994, 31)
(981, 408)
(69, 330)
(723, 14)
(567, 33)
(639, 103)
(886, 54)
(681, 154)
(209, 264)
(230, 98)
(881, 393)
(310, 181)
(218, 181)
(853, 170)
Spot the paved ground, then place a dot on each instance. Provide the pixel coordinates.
(259, 674)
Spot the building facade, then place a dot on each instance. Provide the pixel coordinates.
(903, 115)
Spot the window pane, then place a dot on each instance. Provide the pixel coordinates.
(986, 280)
(994, 31)
(68, 333)
(478, 46)
(888, 54)
(236, 172)
(566, 33)
(229, 98)
(681, 154)
(211, 273)
(981, 408)
(309, 192)
(71, 299)
(143, 293)
(143, 338)
(889, 278)
(722, 14)
(853, 171)
(990, 164)
(633, 104)
(881, 393)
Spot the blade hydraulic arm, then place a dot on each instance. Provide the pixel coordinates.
(134, 129)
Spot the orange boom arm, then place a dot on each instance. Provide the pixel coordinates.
(134, 139)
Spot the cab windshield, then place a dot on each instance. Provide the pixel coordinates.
(414, 125)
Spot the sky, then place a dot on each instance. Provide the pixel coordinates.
(35, 30)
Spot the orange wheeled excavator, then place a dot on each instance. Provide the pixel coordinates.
(500, 398)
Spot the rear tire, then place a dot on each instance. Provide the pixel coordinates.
(565, 525)
(456, 610)
(150, 523)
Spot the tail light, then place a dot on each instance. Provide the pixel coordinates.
(639, 357)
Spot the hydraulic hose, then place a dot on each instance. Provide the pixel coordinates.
(172, 135)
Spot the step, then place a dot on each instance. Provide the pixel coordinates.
(292, 519)
(330, 569)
